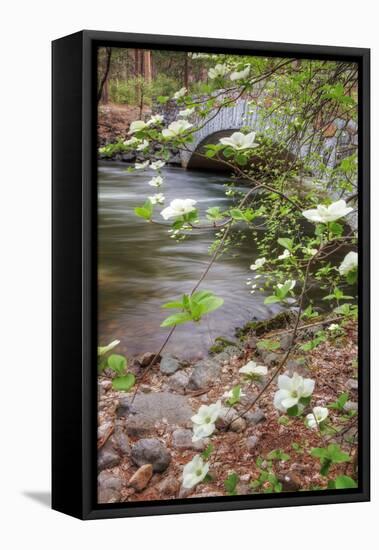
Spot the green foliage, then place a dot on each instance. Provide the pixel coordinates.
(268, 345)
(207, 451)
(267, 481)
(117, 363)
(124, 383)
(340, 402)
(332, 454)
(236, 396)
(194, 307)
(342, 482)
(320, 337)
(278, 454)
(231, 483)
(145, 211)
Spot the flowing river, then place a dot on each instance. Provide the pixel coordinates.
(141, 267)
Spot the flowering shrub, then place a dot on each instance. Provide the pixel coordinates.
(303, 226)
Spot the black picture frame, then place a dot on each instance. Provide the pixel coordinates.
(74, 275)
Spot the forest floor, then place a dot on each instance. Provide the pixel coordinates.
(114, 121)
(134, 430)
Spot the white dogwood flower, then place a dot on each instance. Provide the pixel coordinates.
(251, 369)
(240, 75)
(186, 112)
(141, 165)
(349, 262)
(158, 198)
(290, 283)
(291, 390)
(219, 70)
(156, 181)
(157, 164)
(178, 207)
(229, 394)
(155, 119)
(315, 418)
(176, 128)
(325, 214)
(204, 420)
(180, 93)
(136, 126)
(258, 264)
(143, 145)
(240, 141)
(194, 472)
(132, 141)
(102, 350)
(284, 255)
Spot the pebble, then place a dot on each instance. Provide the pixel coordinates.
(146, 359)
(351, 406)
(204, 374)
(107, 457)
(121, 441)
(352, 384)
(169, 364)
(141, 477)
(108, 496)
(182, 439)
(229, 419)
(107, 480)
(178, 381)
(151, 451)
(290, 481)
(251, 443)
(254, 417)
(169, 486)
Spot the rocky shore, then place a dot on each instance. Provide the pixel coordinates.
(145, 436)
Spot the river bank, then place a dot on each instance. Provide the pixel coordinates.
(155, 427)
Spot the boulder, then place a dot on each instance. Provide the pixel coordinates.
(204, 374)
(149, 408)
(169, 364)
(151, 451)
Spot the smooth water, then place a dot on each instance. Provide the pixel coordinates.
(141, 267)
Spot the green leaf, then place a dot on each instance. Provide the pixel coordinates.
(177, 319)
(345, 482)
(210, 304)
(336, 228)
(207, 451)
(144, 211)
(293, 411)
(230, 483)
(173, 305)
(286, 243)
(214, 213)
(124, 383)
(117, 363)
(271, 300)
(163, 99)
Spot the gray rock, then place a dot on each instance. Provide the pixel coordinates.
(107, 457)
(146, 359)
(230, 420)
(148, 408)
(169, 486)
(254, 417)
(351, 406)
(251, 443)
(107, 480)
(273, 359)
(182, 439)
(178, 381)
(286, 341)
(204, 374)
(151, 451)
(108, 496)
(121, 441)
(352, 384)
(169, 364)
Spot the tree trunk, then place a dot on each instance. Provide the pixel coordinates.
(147, 66)
(103, 87)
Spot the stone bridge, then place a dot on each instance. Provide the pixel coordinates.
(338, 140)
